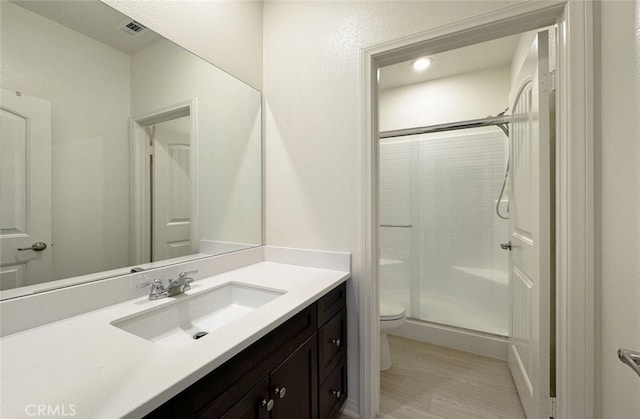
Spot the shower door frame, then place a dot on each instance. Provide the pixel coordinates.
(575, 167)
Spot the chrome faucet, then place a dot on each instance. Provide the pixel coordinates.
(175, 287)
(157, 289)
(180, 284)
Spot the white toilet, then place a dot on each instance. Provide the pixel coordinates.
(392, 316)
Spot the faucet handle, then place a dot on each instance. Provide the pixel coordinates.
(184, 274)
(157, 289)
(156, 283)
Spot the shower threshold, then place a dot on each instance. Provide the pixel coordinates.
(472, 341)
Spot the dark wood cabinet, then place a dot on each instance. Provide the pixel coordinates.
(294, 384)
(333, 391)
(332, 355)
(332, 343)
(254, 405)
(297, 371)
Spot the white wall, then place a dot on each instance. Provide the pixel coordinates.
(313, 152)
(226, 33)
(461, 97)
(90, 163)
(228, 136)
(620, 205)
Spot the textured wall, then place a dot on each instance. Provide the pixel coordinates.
(620, 204)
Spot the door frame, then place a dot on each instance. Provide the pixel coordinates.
(140, 188)
(575, 188)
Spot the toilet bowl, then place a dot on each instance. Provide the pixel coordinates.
(392, 316)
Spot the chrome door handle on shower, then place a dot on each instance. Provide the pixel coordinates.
(36, 247)
(505, 246)
(631, 358)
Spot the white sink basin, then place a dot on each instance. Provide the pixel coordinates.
(197, 315)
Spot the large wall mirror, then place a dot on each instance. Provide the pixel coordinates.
(119, 149)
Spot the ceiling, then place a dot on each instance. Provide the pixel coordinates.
(93, 19)
(476, 57)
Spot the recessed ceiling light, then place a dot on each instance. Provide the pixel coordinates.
(421, 64)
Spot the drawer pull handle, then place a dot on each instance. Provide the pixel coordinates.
(268, 404)
(336, 393)
(281, 392)
(336, 342)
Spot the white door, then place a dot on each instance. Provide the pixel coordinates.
(171, 189)
(530, 270)
(25, 190)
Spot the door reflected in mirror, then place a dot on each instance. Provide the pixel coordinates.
(171, 189)
(119, 149)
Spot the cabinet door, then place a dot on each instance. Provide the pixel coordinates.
(254, 405)
(294, 384)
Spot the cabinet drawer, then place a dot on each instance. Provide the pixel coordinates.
(332, 343)
(331, 303)
(333, 392)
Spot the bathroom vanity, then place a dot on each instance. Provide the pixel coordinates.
(296, 371)
(283, 357)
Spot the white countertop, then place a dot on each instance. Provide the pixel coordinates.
(86, 366)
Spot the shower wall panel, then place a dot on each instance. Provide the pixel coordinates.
(445, 186)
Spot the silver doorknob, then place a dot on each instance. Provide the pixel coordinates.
(36, 247)
(505, 246)
(336, 342)
(336, 393)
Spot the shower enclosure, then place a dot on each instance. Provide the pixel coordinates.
(439, 232)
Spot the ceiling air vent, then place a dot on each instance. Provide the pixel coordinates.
(133, 28)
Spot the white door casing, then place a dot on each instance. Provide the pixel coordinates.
(171, 197)
(530, 269)
(25, 191)
(142, 145)
(576, 386)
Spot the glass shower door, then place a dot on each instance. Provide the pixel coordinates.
(445, 186)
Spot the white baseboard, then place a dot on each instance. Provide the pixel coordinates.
(351, 408)
(451, 337)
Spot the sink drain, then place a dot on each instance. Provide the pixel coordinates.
(199, 335)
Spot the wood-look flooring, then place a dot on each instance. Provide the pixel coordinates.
(433, 382)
